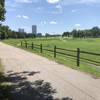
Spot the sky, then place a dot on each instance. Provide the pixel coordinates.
(52, 16)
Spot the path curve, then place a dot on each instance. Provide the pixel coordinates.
(68, 82)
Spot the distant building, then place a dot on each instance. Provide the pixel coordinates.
(21, 30)
(39, 34)
(34, 29)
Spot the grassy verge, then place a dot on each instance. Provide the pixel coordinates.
(87, 45)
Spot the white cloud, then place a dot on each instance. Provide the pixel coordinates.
(18, 16)
(42, 23)
(25, 17)
(22, 16)
(53, 22)
(53, 1)
(77, 26)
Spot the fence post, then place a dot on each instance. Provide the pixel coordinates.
(21, 43)
(54, 51)
(41, 50)
(26, 44)
(32, 45)
(78, 57)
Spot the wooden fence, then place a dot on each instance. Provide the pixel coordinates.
(56, 50)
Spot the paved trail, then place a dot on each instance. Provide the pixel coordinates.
(68, 82)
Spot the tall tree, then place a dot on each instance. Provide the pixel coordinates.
(74, 33)
(95, 31)
(66, 34)
(2, 10)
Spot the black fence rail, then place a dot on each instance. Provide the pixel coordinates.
(78, 55)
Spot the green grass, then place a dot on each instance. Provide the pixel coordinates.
(90, 45)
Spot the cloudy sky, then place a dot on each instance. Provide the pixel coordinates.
(53, 16)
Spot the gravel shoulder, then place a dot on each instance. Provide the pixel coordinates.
(68, 82)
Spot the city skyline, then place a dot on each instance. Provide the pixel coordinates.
(33, 29)
(52, 16)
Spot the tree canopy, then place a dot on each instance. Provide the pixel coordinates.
(2, 10)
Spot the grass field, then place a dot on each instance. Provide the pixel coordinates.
(89, 45)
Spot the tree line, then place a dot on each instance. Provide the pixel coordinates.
(6, 33)
(87, 33)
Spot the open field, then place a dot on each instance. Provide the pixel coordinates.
(89, 45)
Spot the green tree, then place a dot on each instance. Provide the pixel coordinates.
(2, 10)
(47, 35)
(95, 32)
(74, 33)
(4, 31)
(66, 34)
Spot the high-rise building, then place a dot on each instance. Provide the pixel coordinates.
(21, 30)
(34, 29)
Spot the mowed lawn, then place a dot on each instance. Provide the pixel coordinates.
(89, 45)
